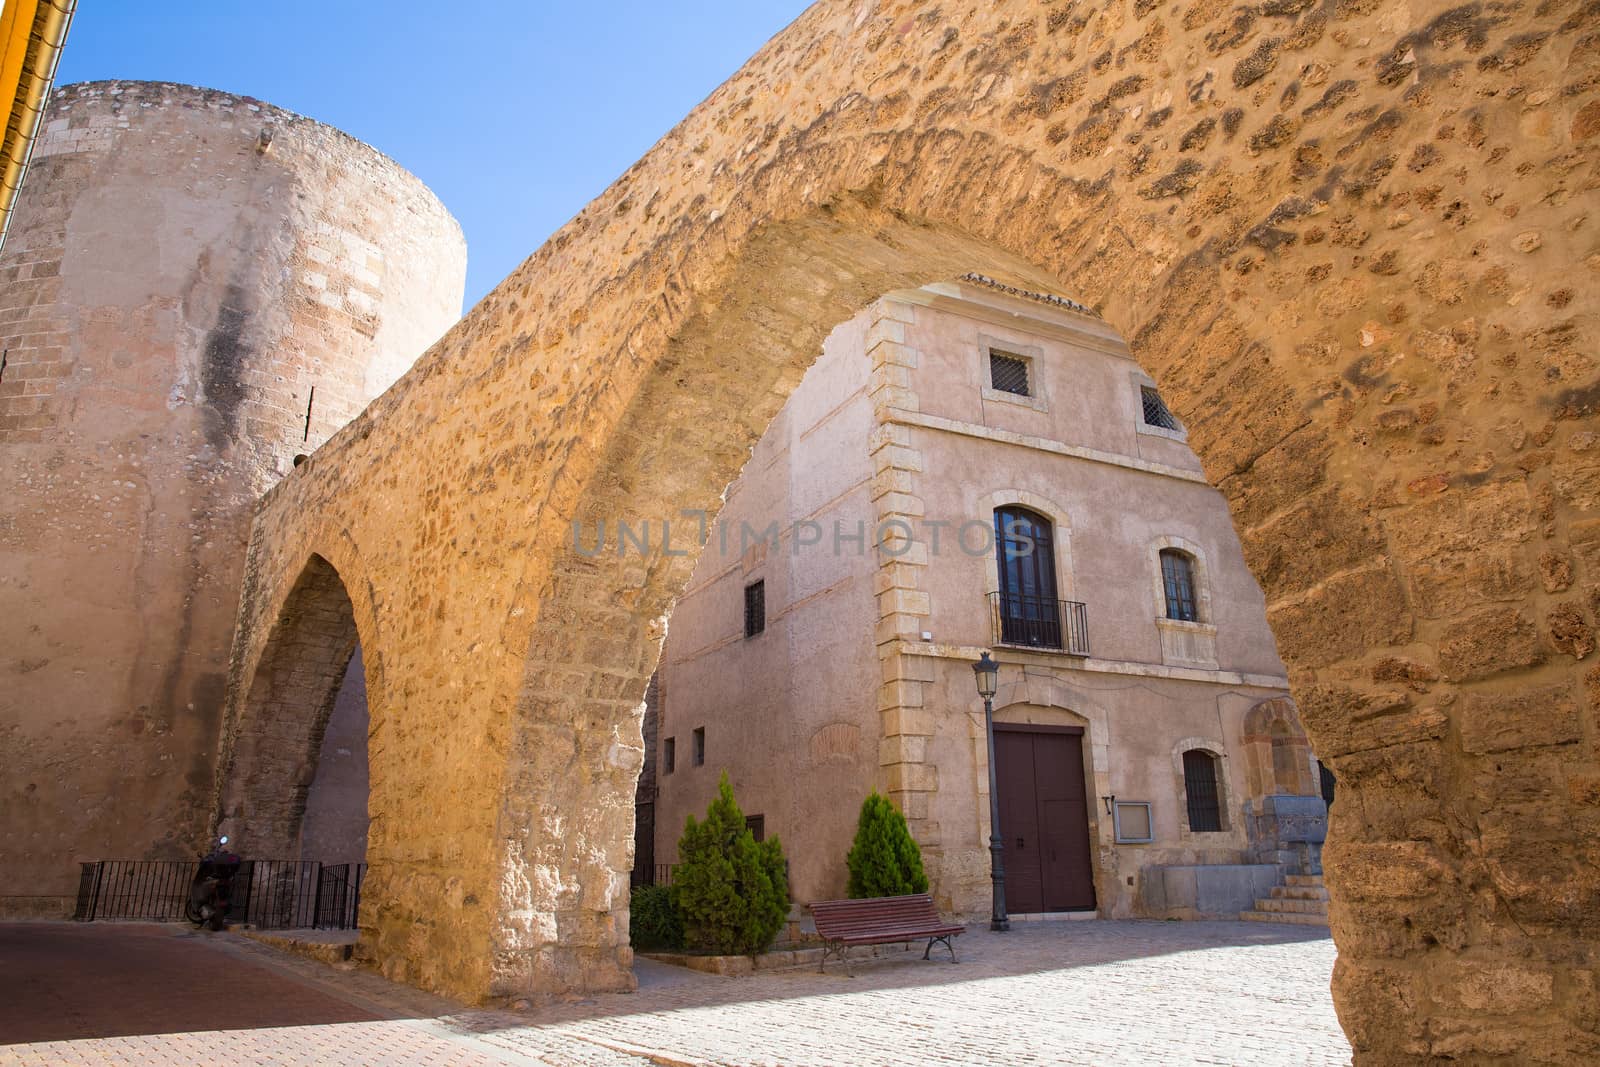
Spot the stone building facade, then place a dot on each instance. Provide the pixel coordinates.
(1354, 246)
(196, 288)
(1029, 493)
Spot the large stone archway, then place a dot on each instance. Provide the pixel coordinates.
(1350, 241)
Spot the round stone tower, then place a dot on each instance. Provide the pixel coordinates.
(196, 288)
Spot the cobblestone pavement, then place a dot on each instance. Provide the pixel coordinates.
(1057, 993)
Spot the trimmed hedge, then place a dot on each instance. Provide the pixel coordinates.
(654, 922)
(732, 889)
(885, 860)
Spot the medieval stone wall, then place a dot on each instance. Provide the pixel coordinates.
(184, 268)
(1354, 244)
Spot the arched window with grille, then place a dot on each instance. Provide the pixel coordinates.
(1025, 554)
(1177, 582)
(1200, 783)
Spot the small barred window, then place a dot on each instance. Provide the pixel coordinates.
(1202, 793)
(1009, 374)
(755, 608)
(1155, 410)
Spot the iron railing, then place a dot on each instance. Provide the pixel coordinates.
(339, 896)
(267, 894)
(665, 873)
(1040, 622)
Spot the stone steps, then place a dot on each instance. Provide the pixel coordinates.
(1303, 901)
(1302, 907)
(1296, 918)
(1298, 892)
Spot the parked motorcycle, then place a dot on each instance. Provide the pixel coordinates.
(212, 889)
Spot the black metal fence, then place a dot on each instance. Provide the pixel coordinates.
(267, 894)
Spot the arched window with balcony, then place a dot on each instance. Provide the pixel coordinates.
(1178, 585)
(1027, 606)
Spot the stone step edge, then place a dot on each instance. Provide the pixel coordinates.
(1297, 907)
(1298, 892)
(1294, 917)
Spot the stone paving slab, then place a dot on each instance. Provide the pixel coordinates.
(1060, 993)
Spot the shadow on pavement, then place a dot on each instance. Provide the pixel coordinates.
(65, 981)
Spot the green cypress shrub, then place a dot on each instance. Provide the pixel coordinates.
(732, 890)
(885, 860)
(654, 922)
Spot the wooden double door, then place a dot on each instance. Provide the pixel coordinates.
(1044, 818)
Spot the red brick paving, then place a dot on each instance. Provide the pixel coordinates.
(60, 981)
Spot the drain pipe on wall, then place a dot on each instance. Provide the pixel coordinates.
(32, 33)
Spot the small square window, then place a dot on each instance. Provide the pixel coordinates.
(1132, 822)
(755, 608)
(1155, 410)
(757, 825)
(1008, 373)
(699, 746)
(669, 755)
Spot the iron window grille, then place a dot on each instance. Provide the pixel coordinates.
(699, 746)
(755, 608)
(1008, 373)
(757, 825)
(1200, 788)
(669, 755)
(1155, 410)
(1177, 580)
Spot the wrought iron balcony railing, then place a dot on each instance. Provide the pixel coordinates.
(1039, 622)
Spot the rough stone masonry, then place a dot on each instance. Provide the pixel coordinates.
(184, 269)
(1352, 240)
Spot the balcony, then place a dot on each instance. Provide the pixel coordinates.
(1037, 622)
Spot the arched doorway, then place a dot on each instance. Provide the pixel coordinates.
(334, 828)
(287, 793)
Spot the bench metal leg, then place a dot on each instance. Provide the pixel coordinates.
(947, 944)
(842, 951)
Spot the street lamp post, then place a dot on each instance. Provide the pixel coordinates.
(987, 672)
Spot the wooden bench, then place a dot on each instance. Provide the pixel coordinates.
(880, 921)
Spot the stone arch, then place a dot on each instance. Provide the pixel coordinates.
(276, 735)
(1332, 281)
(1277, 752)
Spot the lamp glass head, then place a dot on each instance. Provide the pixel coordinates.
(987, 672)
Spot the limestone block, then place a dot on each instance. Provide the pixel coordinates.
(1487, 642)
(1524, 718)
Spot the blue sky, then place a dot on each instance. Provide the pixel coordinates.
(514, 114)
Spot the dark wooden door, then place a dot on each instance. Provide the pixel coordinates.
(1019, 820)
(1044, 819)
